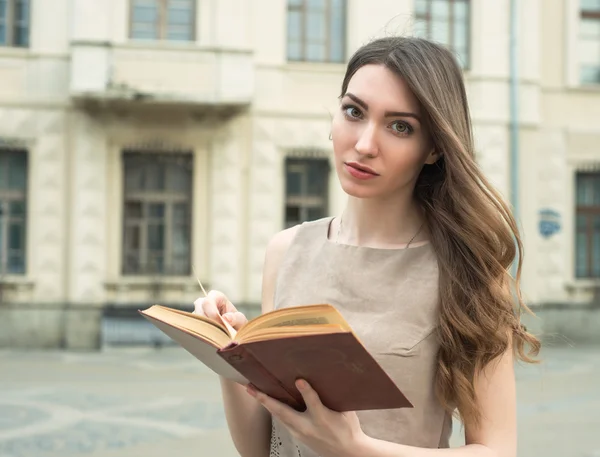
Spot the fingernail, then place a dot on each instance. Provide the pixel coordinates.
(251, 391)
(301, 384)
(228, 317)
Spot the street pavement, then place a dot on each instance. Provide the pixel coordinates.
(144, 402)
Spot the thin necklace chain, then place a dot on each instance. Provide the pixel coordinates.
(339, 230)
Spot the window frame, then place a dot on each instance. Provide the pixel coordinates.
(593, 15)
(589, 211)
(162, 25)
(305, 200)
(6, 197)
(11, 24)
(168, 198)
(303, 10)
(427, 18)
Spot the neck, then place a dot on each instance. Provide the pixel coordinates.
(389, 222)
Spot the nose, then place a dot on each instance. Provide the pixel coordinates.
(367, 142)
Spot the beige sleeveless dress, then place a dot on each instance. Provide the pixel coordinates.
(390, 298)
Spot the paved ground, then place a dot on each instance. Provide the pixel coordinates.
(150, 403)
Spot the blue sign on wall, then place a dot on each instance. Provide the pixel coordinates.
(549, 223)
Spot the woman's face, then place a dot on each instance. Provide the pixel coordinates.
(379, 140)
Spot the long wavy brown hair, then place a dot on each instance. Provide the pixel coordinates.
(472, 229)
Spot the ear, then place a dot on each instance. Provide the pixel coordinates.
(433, 157)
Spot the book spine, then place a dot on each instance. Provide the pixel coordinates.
(248, 366)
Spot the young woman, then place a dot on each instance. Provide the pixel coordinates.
(417, 263)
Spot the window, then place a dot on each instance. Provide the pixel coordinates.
(589, 42)
(14, 23)
(306, 190)
(13, 211)
(587, 233)
(316, 30)
(446, 22)
(157, 213)
(171, 20)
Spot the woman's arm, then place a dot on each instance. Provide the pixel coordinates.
(249, 423)
(496, 434)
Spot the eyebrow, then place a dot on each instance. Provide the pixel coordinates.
(364, 105)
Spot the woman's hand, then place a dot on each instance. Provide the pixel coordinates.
(216, 305)
(326, 432)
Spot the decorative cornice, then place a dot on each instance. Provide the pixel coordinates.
(588, 166)
(14, 143)
(307, 153)
(157, 145)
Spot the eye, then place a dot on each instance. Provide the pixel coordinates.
(402, 128)
(351, 112)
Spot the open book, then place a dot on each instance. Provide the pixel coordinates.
(272, 351)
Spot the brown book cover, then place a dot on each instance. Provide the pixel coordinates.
(274, 350)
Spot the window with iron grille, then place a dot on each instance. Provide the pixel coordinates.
(589, 42)
(169, 20)
(316, 30)
(306, 194)
(14, 23)
(13, 211)
(587, 231)
(157, 213)
(446, 22)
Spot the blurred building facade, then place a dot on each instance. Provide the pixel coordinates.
(146, 142)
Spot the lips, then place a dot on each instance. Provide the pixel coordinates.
(360, 172)
(362, 168)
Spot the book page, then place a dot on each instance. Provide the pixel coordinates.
(300, 321)
(207, 329)
(232, 332)
(310, 315)
(273, 333)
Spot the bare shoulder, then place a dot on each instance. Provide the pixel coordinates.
(275, 253)
(276, 249)
(281, 241)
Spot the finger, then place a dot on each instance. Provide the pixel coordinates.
(198, 306)
(237, 320)
(310, 396)
(221, 302)
(206, 306)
